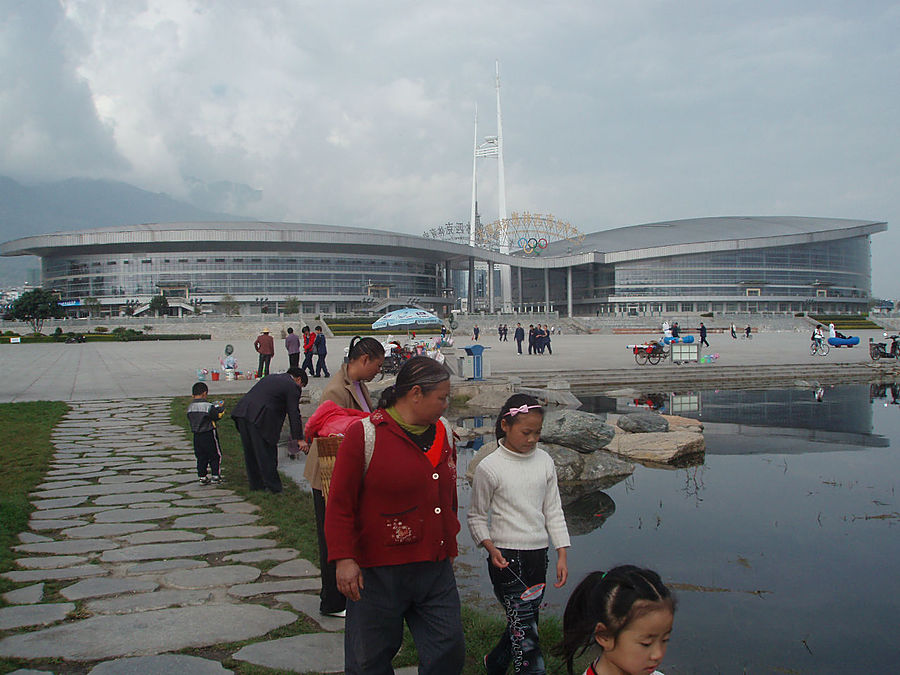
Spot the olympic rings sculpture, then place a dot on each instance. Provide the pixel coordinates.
(531, 245)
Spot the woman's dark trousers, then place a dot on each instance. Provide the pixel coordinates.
(424, 595)
(331, 600)
(519, 644)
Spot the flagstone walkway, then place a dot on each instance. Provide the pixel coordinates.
(148, 561)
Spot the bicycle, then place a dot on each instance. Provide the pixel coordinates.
(818, 346)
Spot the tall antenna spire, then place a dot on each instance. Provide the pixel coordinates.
(505, 270)
(474, 182)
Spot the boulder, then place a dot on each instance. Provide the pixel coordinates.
(643, 422)
(576, 429)
(577, 474)
(679, 422)
(659, 447)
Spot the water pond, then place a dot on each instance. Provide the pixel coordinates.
(783, 545)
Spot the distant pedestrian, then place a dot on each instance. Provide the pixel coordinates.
(292, 344)
(321, 351)
(499, 332)
(475, 332)
(747, 332)
(532, 336)
(309, 344)
(733, 332)
(703, 335)
(203, 416)
(265, 347)
(519, 336)
(676, 330)
(505, 333)
(547, 340)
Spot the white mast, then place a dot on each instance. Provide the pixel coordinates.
(474, 182)
(505, 270)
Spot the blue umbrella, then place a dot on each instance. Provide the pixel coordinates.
(408, 317)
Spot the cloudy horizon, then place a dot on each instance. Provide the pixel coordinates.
(614, 113)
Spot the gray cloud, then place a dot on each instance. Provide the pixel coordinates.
(361, 113)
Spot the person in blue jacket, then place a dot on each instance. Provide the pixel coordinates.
(321, 350)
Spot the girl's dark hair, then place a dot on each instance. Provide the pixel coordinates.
(419, 371)
(367, 346)
(515, 401)
(615, 599)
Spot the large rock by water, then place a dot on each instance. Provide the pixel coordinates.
(576, 429)
(577, 474)
(660, 448)
(643, 422)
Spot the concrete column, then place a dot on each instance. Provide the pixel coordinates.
(546, 289)
(490, 286)
(471, 291)
(569, 289)
(521, 298)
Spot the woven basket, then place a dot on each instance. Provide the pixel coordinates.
(327, 448)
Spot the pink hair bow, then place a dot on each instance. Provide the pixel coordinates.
(512, 412)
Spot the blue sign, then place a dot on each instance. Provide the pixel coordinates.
(69, 303)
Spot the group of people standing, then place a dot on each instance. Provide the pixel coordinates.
(502, 333)
(388, 529)
(314, 344)
(538, 340)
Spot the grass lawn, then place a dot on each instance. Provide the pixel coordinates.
(25, 452)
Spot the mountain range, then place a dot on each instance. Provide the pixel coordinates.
(77, 204)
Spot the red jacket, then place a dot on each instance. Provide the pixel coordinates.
(309, 341)
(402, 510)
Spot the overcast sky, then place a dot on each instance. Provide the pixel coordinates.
(361, 113)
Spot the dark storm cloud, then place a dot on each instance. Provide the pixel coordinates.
(48, 123)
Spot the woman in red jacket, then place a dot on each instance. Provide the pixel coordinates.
(391, 527)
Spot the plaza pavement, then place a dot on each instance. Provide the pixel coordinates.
(118, 370)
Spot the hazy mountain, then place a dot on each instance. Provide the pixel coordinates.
(77, 204)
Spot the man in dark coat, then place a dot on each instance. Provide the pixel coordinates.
(259, 416)
(703, 335)
(531, 338)
(292, 344)
(519, 335)
(321, 350)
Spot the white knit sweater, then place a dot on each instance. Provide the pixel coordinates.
(515, 501)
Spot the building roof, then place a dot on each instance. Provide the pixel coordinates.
(677, 237)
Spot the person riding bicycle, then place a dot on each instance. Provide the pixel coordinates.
(818, 336)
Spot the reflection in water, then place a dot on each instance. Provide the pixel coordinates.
(836, 416)
(588, 513)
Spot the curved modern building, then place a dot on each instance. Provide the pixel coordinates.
(722, 264)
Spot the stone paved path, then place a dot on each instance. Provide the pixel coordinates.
(148, 561)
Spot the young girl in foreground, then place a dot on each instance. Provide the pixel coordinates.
(629, 612)
(515, 489)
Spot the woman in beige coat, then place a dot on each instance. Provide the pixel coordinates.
(347, 388)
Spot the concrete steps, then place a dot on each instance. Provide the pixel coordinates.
(692, 376)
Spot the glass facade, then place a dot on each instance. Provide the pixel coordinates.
(217, 273)
(835, 274)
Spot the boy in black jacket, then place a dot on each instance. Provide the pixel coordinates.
(203, 416)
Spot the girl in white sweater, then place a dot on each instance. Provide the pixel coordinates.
(514, 514)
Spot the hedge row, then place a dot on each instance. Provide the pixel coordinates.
(107, 337)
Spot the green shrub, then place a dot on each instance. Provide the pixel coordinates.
(101, 329)
(707, 315)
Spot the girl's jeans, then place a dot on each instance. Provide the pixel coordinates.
(519, 644)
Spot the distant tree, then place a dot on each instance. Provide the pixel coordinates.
(291, 305)
(159, 304)
(229, 305)
(92, 305)
(35, 307)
